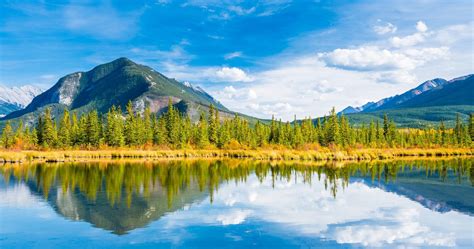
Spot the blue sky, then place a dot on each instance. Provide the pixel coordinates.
(276, 57)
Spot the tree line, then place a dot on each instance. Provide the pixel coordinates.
(175, 130)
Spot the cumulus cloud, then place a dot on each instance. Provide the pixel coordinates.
(272, 108)
(18, 196)
(367, 58)
(414, 39)
(421, 26)
(314, 83)
(386, 28)
(232, 74)
(407, 41)
(230, 92)
(233, 217)
(376, 218)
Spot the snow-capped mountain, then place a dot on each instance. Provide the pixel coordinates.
(397, 100)
(16, 98)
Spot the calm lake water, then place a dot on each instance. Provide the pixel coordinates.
(237, 204)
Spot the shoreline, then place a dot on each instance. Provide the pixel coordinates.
(262, 154)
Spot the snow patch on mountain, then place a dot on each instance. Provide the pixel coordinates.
(19, 96)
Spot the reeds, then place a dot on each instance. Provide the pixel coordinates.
(322, 154)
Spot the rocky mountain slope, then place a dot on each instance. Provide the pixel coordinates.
(425, 105)
(116, 83)
(16, 98)
(397, 100)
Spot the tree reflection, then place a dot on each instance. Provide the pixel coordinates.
(121, 196)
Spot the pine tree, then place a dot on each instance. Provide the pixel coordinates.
(76, 136)
(332, 131)
(147, 126)
(8, 137)
(458, 130)
(160, 133)
(48, 131)
(344, 131)
(114, 128)
(64, 135)
(202, 132)
(131, 133)
(442, 130)
(20, 134)
(471, 126)
(213, 124)
(33, 140)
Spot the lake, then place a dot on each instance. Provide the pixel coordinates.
(238, 204)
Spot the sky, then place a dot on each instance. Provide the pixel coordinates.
(262, 58)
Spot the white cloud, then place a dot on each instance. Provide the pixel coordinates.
(233, 55)
(421, 26)
(233, 217)
(368, 58)
(408, 41)
(313, 84)
(18, 196)
(231, 93)
(276, 109)
(252, 94)
(232, 74)
(386, 28)
(455, 33)
(241, 11)
(376, 218)
(414, 39)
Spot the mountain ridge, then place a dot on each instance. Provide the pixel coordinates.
(116, 83)
(397, 100)
(16, 98)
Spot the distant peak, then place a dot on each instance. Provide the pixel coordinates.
(461, 78)
(124, 61)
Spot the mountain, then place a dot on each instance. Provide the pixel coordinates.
(459, 91)
(425, 105)
(117, 83)
(397, 100)
(16, 98)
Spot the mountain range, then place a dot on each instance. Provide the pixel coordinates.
(16, 98)
(117, 83)
(435, 92)
(122, 80)
(427, 104)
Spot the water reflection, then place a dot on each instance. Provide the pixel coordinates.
(123, 196)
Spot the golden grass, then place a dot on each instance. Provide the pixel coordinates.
(321, 154)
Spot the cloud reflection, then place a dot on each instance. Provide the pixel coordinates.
(360, 214)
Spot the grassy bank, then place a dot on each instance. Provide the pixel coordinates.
(296, 155)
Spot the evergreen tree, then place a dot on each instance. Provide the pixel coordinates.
(76, 136)
(202, 133)
(114, 128)
(213, 121)
(48, 131)
(8, 138)
(332, 133)
(471, 126)
(64, 135)
(458, 129)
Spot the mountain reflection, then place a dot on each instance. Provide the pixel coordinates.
(122, 196)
